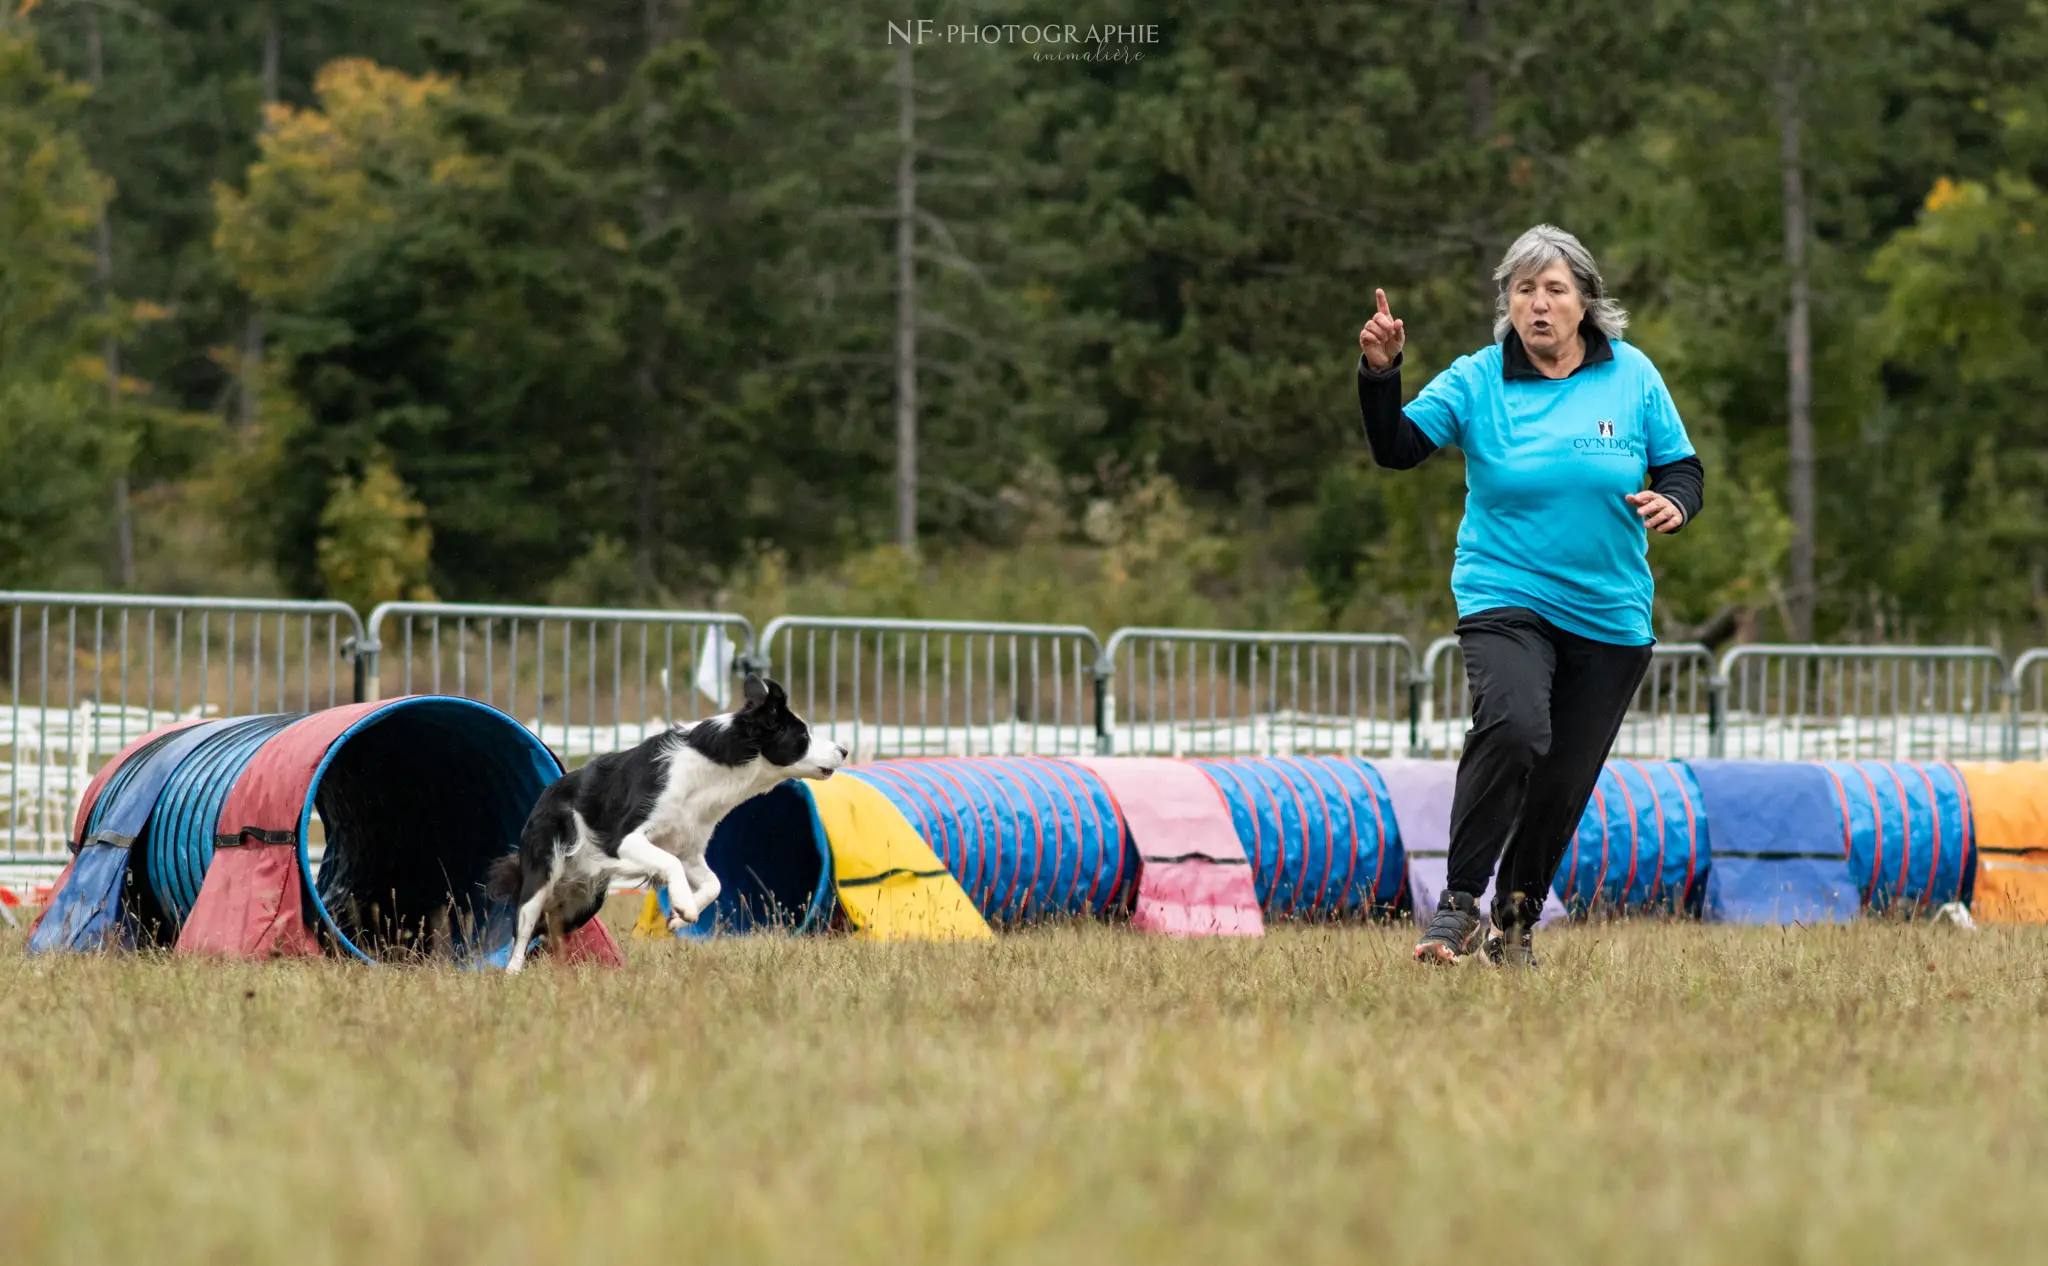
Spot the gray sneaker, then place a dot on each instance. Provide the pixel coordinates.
(1511, 942)
(1454, 930)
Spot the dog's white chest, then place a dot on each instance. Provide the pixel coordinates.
(695, 795)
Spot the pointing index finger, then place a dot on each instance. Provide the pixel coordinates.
(1381, 297)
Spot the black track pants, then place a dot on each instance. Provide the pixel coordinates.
(1546, 705)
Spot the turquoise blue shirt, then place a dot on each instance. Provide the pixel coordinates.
(1548, 463)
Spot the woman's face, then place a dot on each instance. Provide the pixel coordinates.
(1545, 308)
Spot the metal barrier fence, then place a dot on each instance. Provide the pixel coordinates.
(87, 673)
(1220, 692)
(938, 687)
(1670, 719)
(2028, 735)
(587, 680)
(1851, 702)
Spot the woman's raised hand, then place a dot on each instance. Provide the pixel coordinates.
(1382, 338)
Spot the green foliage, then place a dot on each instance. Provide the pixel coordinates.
(54, 424)
(609, 290)
(374, 543)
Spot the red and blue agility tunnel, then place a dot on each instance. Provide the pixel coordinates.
(1319, 832)
(87, 905)
(1798, 841)
(1028, 838)
(200, 837)
(1906, 831)
(1642, 845)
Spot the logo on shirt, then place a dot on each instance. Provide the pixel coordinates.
(1605, 442)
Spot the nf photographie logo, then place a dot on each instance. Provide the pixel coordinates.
(1047, 41)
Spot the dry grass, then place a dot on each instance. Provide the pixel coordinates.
(1668, 1093)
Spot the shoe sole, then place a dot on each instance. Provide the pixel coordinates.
(1438, 954)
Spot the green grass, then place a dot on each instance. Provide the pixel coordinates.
(1658, 1093)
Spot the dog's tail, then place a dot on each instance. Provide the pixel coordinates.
(504, 880)
(550, 822)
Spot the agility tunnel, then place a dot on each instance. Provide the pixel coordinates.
(1908, 832)
(2009, 817)
(1421, 792)
(808, 857)
(1320, 834)
(1642, 845)
(201, 837)
(1800, 842)
(1187, 848)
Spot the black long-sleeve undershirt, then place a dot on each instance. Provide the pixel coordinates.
(1398, 444)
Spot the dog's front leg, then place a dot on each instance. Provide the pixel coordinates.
(664, 867)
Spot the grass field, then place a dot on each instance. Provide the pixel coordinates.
(1658, 1093)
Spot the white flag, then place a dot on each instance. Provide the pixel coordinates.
(714, 668)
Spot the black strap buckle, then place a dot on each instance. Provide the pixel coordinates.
(255, 834)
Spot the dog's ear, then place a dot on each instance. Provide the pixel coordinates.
(755, 690)
(776, 695)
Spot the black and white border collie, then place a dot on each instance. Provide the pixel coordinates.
(647, 814)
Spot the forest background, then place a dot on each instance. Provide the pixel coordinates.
(635, 302)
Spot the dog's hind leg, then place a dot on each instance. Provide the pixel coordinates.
(703, 881)
(664, 867)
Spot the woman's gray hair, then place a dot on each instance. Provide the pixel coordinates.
(1537, 250)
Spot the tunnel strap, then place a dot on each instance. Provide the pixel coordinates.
(256, 833)
(895, 872)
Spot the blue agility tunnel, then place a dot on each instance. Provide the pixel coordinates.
(1906, 829)
(1319, 832)
(1642, 844)
(95, 907)
(1779, 854)
(180, 842)
(774, 869)
(1028, 838)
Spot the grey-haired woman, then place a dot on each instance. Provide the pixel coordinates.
(1561, 423)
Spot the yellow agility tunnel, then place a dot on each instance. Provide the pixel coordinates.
(810, 856)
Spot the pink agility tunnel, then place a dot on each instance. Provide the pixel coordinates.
(1193, 876)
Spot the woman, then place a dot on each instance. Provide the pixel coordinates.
(1560, 422)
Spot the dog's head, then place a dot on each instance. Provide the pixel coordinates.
(766, 727)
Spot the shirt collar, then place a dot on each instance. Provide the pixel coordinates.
(1515, 363)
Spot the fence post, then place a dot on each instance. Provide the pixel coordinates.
(1418, 683)
(1105, 703)
(747, 660)
(1717, 714)
(364, 653)
(2010, 686)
